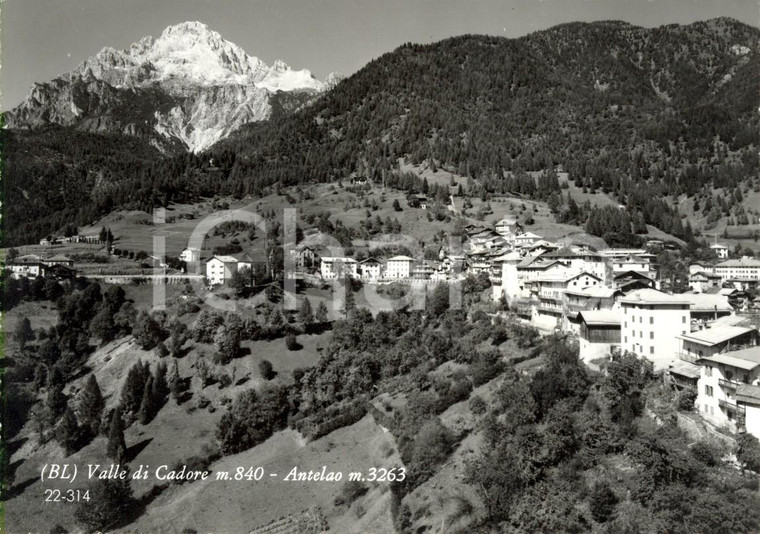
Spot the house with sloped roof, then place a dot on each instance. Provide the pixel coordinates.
(715, 339)
(721, 380)
(599, 333)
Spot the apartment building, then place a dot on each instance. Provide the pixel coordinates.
(399, 267)
(744, 268)
(651, 321)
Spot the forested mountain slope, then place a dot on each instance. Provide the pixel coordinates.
(639, 113)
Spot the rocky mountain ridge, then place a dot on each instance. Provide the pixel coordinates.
(187, 89)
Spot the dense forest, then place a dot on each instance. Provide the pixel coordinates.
(637, 113)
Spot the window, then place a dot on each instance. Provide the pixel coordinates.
(651, 335)
(626, 339)
(641, 319)
(708, 370)
(709, 391)
(651, 320)
(651, 350)
(683, 319)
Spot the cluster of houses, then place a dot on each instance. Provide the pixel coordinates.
(57, 240)
(32, 266)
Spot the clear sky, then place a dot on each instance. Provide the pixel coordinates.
(44, 38)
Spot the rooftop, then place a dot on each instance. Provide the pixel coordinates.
(748, 394)
(593, 291)
(707, 302)
(601, 317)
(746, 359)
(684, 368)
(652, 296)
(715, 335)
(400, 258)
(744, 262)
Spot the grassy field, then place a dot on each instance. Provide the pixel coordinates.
(207, 506)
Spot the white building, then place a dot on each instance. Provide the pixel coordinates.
(190, 255)
(720, 377)
(527, 239)
(371, 269)
(399, 267)
(748, 400)
(338, 267)
(715, 339)
(219, 269)
(745, 268)
(652, 320)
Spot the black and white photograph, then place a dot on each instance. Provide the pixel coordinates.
(380, 267)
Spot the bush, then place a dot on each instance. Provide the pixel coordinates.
(602, 502)
(291, 342)
(478, 405)
(266, 369)
(352, 490)
(705, 453)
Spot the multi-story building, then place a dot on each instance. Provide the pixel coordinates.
(715, 339)
(651, 321)
(399, 267)
(707, 307)
(332, 267)
(748, 400)
(371, 269)
(526, 239)
(190, 255)
(219, 269)
(702, 281)
(744, 268)
(721, 376)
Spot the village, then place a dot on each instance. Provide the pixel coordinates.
(611, 300)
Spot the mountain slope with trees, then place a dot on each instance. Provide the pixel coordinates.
(634, 112)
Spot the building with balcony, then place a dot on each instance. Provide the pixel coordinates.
(713, 340)
(721, 381)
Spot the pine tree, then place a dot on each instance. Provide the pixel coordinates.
(321, 315)
(68, 433)
(161, 385)
(305, 314)
(117, 447)
(91, 405)
(111, 501)
(147, 405)
(134, 385)
(56, 402)
(175, 383)
(24, 332)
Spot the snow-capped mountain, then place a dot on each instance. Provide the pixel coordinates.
(188, 87)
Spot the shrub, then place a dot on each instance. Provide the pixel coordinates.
(352, 490)
(266, 369)
(602, 502)
(478, 405)
(291, 342)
